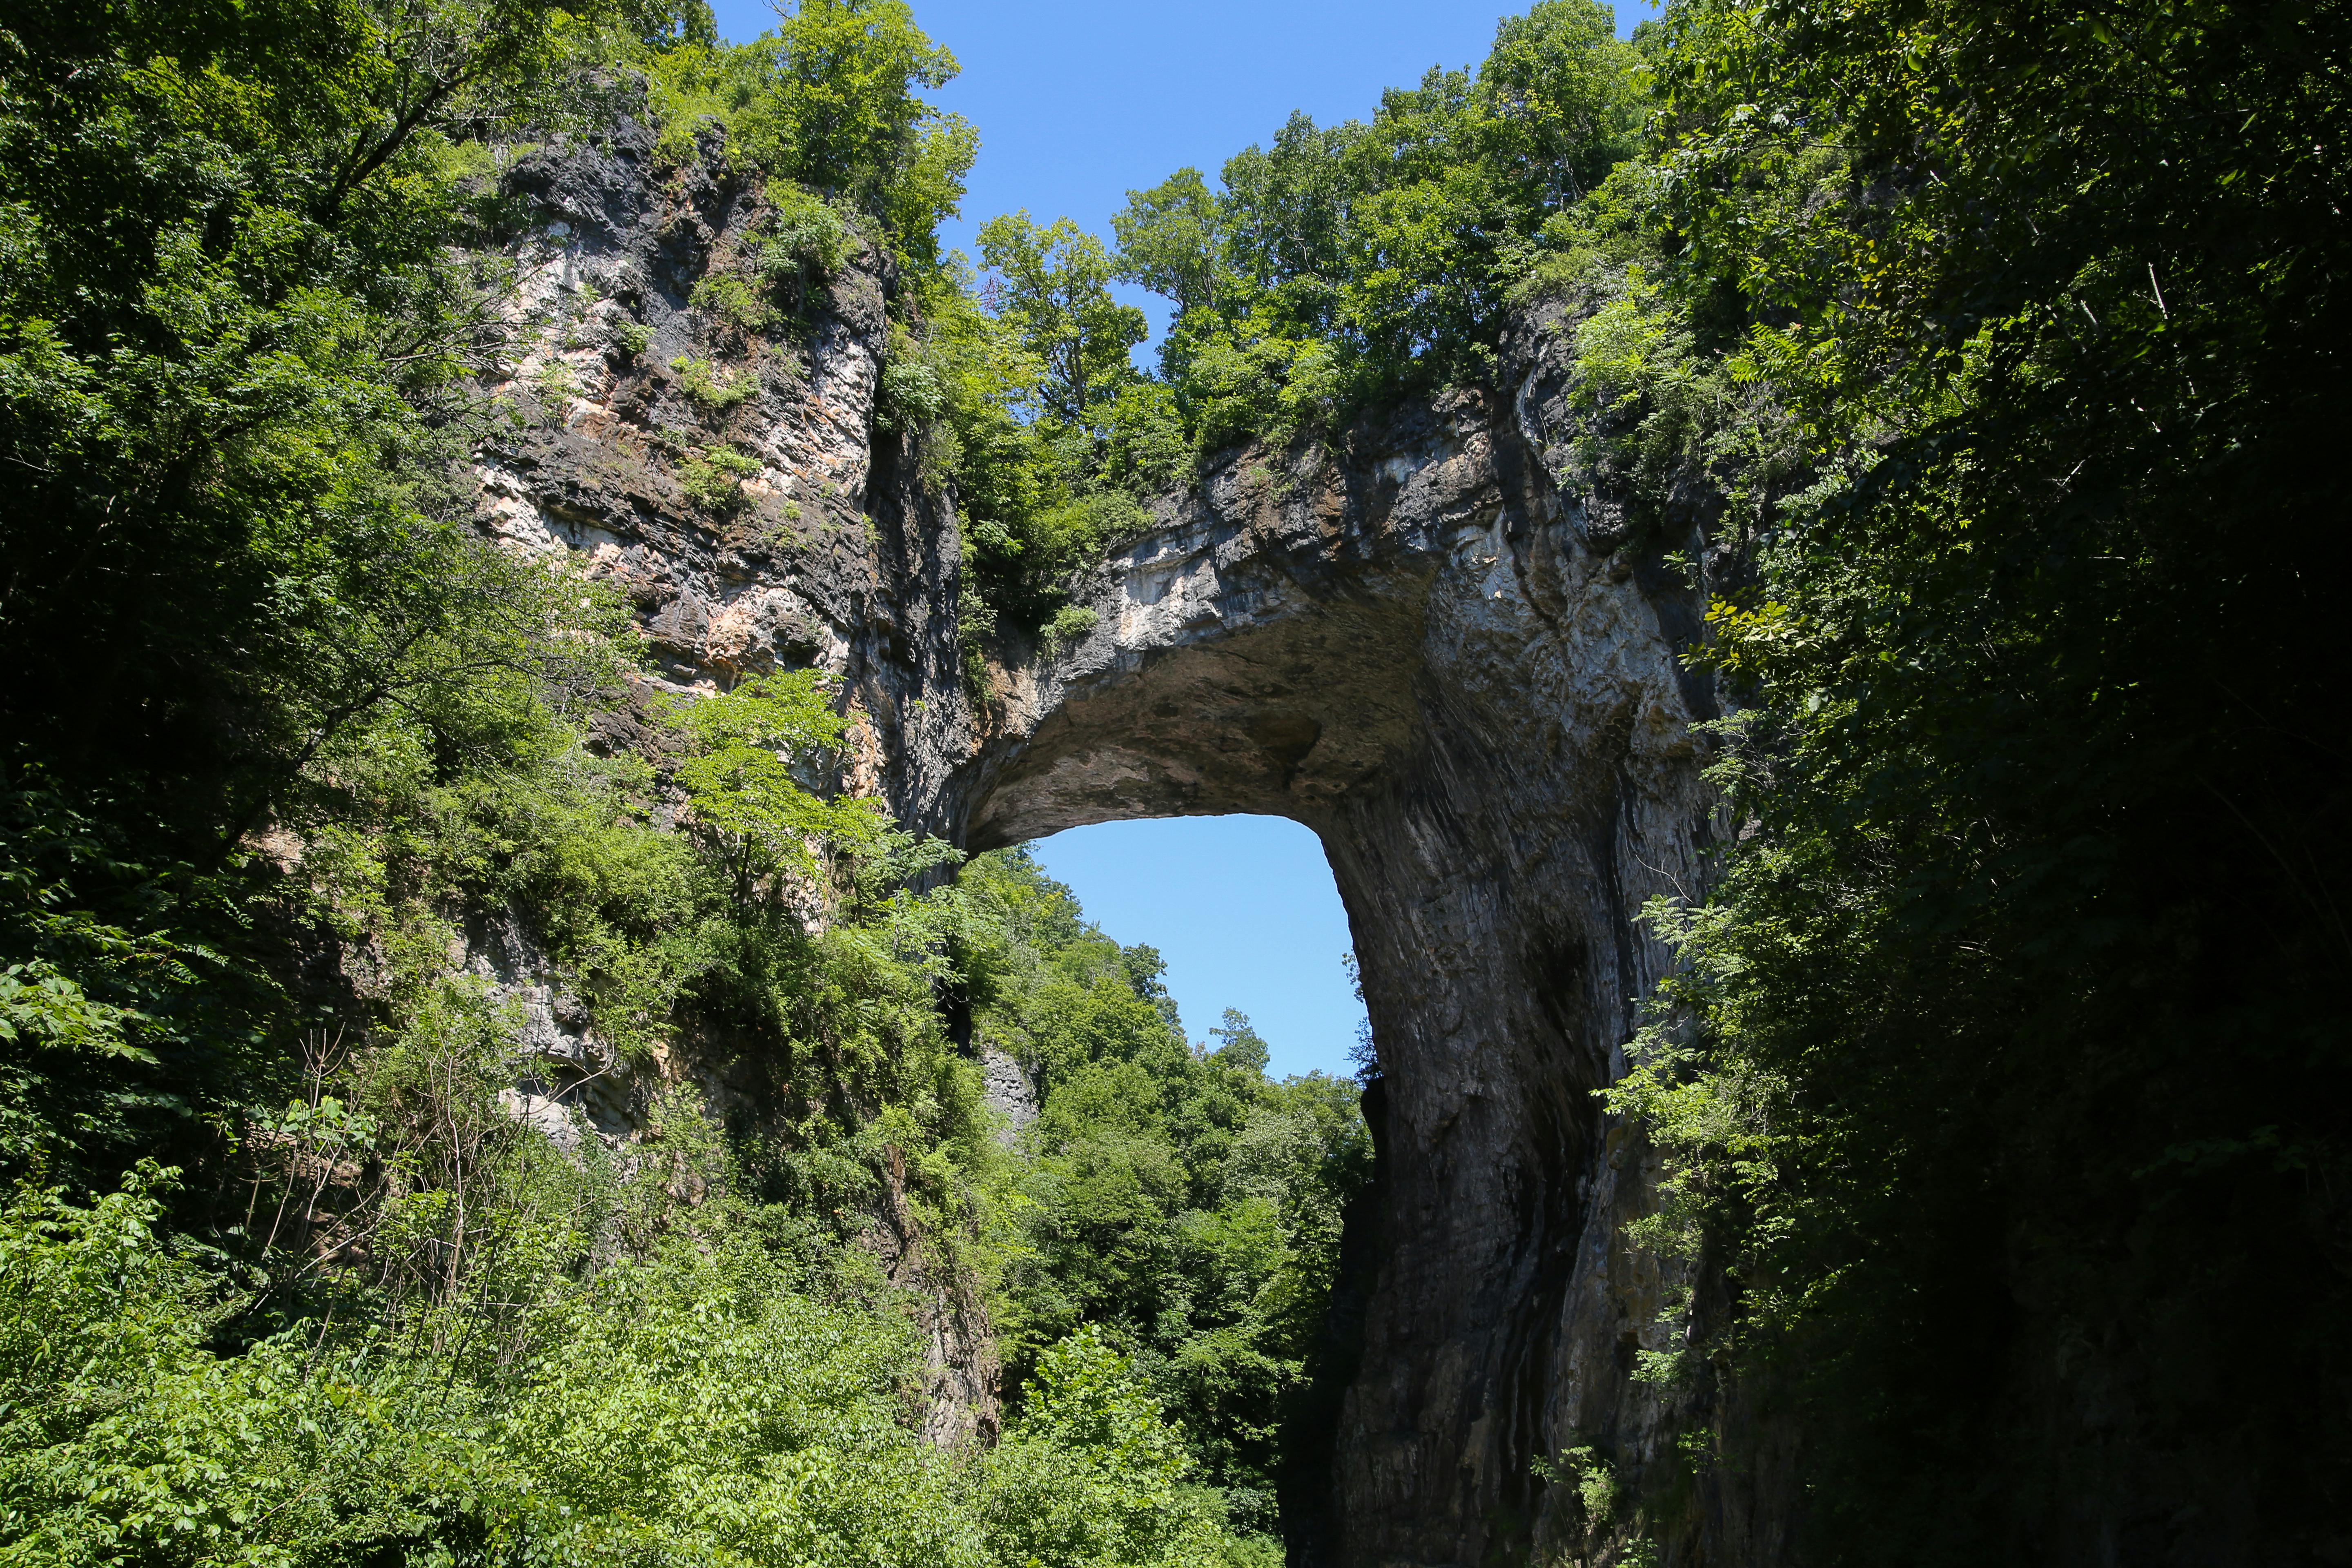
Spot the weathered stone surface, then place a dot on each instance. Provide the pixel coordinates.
(1457, 670)
(1007, 1092)
(830, 557)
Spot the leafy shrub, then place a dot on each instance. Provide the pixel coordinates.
(1092, 1472)
(1263, 389)
(912, 395)
(1145, 446)
(1179, 1202)
(711, 386)
(1068, 627)
(630, 340)
(802, 242)
(712, 479)
(750, 744)
(558, 384)
(730, 299)
(827, 100)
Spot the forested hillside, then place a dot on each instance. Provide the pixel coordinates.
(1982, 364)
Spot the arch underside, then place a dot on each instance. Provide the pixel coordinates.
(1282, 720)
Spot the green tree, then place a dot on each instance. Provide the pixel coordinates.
(832, 99)
(1182, 1203)
(845, 76)
(1171, 241)
(230, 300)
(1053, 287)
(753, 747)
(237, 347)
(1291, 209)
(1343, 265)
(1092, 1472)
(1563, 102)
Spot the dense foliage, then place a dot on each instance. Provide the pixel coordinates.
(238, 351)
(1177, 1199)
(1996, 353)
(2004, 1079)
(621, 1375)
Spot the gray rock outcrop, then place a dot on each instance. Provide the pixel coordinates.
(1423, 652)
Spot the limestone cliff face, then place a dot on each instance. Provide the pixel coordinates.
(827, 556)
(1438, 650)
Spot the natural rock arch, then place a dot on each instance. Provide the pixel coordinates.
(1455, 674)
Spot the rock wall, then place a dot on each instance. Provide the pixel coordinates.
(830, 555)
(1434, 646)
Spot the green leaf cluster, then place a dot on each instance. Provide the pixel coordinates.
(750, 745)
(707, 1398)
(1342, 264)
(289, 750)
(830, 99)
(712, 479)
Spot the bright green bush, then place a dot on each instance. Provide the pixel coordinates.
(706, 1400)
(711, 478)
(712, 386)
(1339, 267)
(1092, 1473)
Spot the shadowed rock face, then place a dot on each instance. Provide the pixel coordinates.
(1443, 652)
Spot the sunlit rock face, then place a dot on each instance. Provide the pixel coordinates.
(1427, 640)
(825, 554)
(1464, 676)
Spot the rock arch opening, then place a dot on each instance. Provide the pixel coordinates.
(1243, 913)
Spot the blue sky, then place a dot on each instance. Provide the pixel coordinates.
(1244, 911)
(1078, 101)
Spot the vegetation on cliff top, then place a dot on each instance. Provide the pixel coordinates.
(1335, 269)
